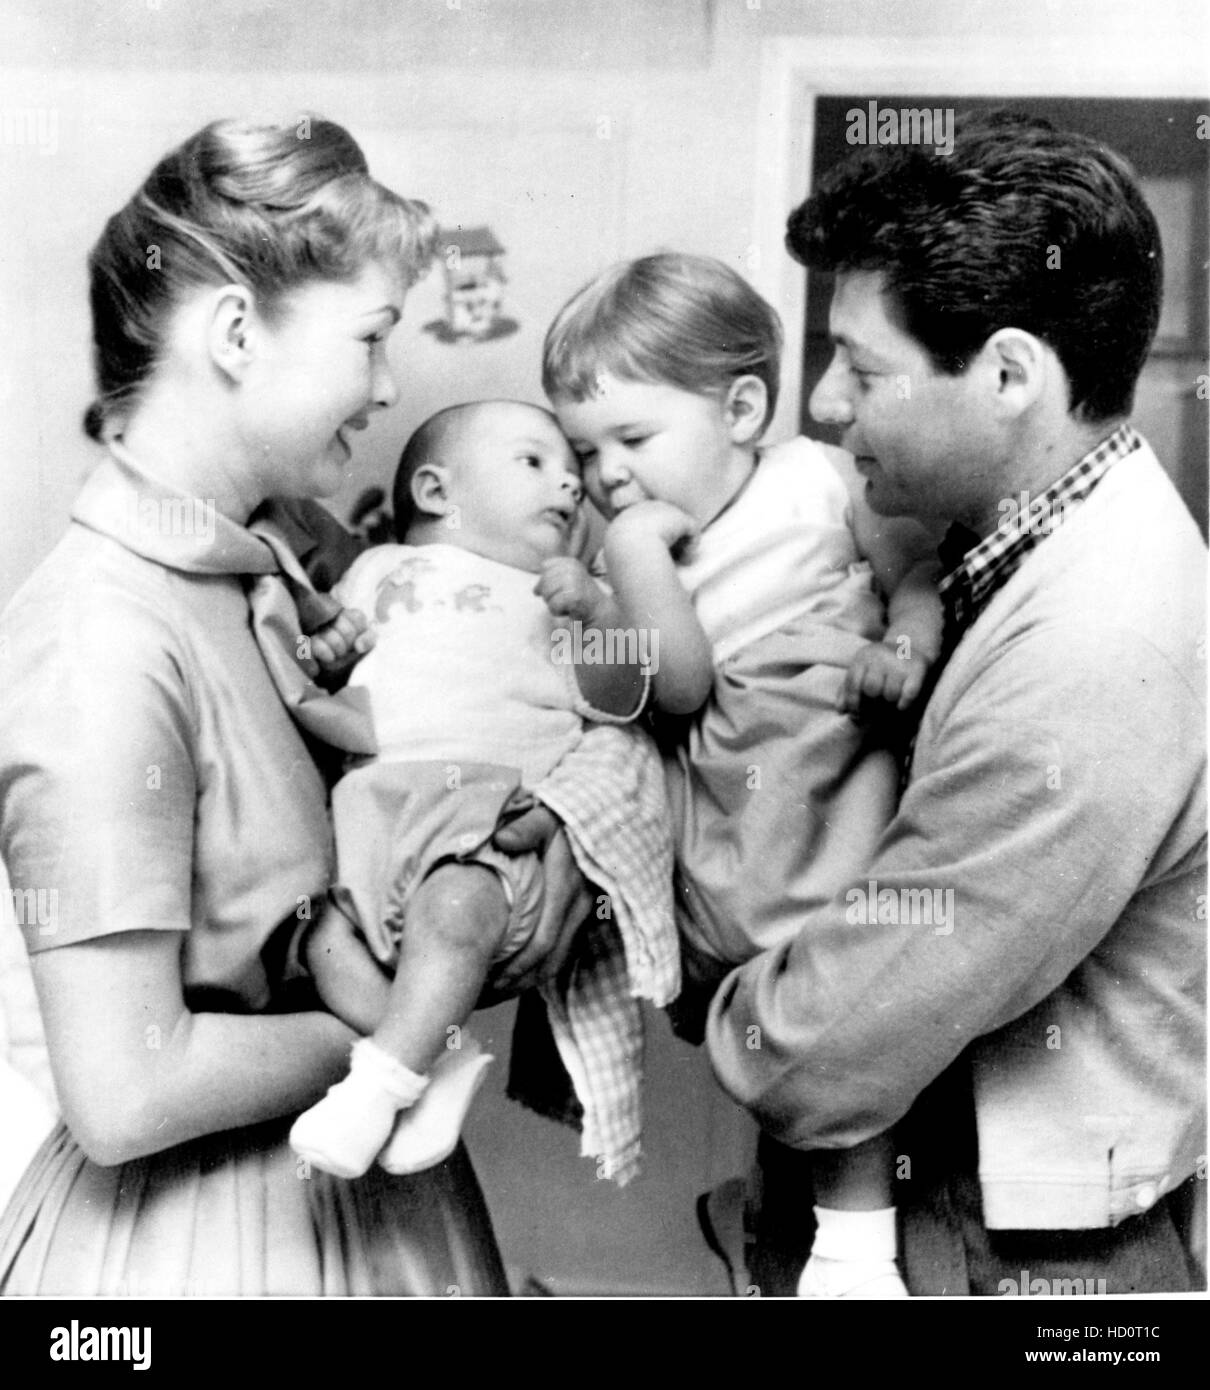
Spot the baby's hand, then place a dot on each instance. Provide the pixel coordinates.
(878, 672)
(651, 520)
(339, 643)
(569, 590)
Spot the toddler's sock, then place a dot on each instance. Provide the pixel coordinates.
(429, 1132)
(342, 1133)
(853, 1256)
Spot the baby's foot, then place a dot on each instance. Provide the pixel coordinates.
(429, 1132)
(342, 1133)
(824, 1278)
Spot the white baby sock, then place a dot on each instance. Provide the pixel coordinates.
(429, 1132)
(343, 1132)
(853, 1256)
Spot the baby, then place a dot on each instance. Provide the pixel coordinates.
(761, 570)
(469, 704)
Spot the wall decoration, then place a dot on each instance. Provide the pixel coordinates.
(472, 258)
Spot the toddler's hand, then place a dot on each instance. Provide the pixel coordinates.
(341, 642)
(878, 672)
(569, 590)
(656, 520)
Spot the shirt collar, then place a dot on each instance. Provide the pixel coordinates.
(124, 501)
(986, 565)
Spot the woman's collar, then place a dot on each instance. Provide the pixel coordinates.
(122, 500)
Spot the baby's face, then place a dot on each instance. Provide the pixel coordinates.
(515, 487)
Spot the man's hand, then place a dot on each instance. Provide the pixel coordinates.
(879, 673)
(341, 642)
(349, 980)
(565, 905)
(569, 590)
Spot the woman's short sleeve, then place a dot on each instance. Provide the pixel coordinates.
(97, 780)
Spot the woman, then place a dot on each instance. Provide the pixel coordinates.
(152, 786)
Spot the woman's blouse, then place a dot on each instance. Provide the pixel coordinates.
(150, 779)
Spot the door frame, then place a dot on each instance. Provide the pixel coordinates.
(795, 71)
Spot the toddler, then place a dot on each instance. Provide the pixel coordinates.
(761, 569)
(469, 704)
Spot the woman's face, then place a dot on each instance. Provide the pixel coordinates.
(317, 373)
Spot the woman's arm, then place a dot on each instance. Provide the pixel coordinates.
(136, 1072)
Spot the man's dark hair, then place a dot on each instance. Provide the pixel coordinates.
(1021, 226)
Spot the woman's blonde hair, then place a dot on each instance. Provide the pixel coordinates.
(272, 207)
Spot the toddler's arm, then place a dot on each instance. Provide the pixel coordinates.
(650, 595)
(903, 556)
(649, 605)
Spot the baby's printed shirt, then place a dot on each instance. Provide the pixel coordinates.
(467, 662)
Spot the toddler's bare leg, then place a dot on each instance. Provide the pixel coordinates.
(456, 919)
(855, 1240)
(856, 1179)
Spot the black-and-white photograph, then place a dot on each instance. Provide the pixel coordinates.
(603, 656)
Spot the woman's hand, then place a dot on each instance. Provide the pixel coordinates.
(566, 903)
(137, 1072)
(349, 980)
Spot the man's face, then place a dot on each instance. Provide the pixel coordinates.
(925, 442)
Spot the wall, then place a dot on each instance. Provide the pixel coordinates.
(581, 131)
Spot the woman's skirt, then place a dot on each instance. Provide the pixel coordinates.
(239, 1213)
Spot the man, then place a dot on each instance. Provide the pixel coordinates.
(1017, 982)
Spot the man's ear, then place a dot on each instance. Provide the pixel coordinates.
(431, 490)
(745, 406)
(230, 328)
(1017, 365)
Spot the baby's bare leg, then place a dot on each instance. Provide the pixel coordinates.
(456, 920)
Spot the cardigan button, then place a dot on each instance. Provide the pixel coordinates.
(1146, 1195)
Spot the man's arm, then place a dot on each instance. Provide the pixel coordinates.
(1018, 844)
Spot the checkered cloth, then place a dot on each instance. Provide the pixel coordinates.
(609, 794)
(989, 564)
